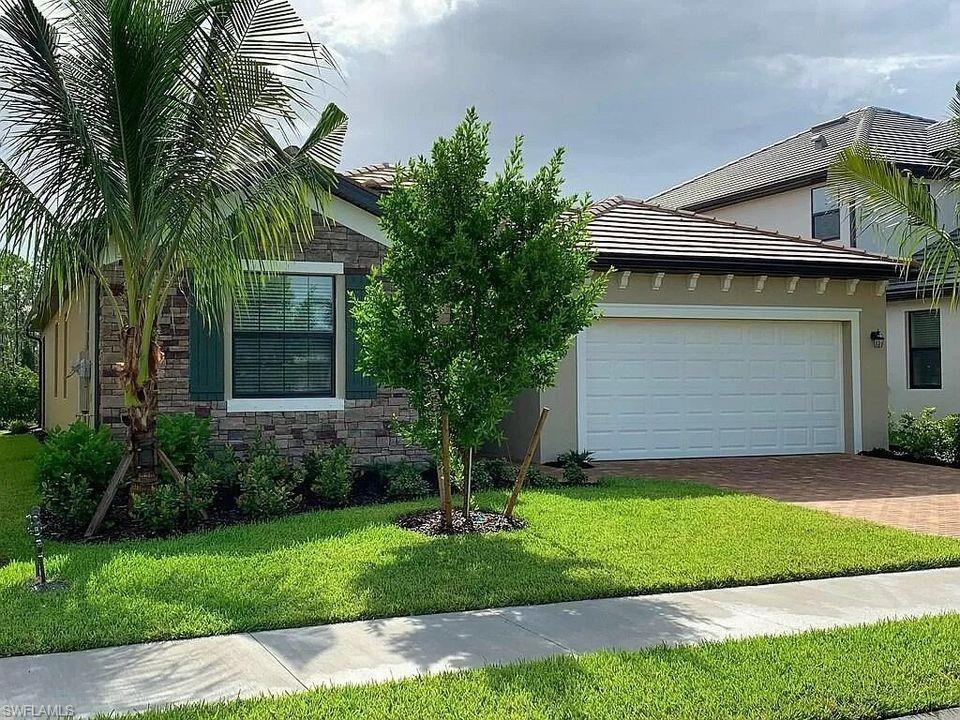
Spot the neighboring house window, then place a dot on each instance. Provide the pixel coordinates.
(924, 336)
(283, 338)
(826, 215)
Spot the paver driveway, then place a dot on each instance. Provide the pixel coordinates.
(917, 497)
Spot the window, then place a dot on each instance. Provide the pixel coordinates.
(924, 336)
(283, 338)
(826, 215)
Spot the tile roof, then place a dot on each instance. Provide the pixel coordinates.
(377, 178)
(631, 233)
(906, 139)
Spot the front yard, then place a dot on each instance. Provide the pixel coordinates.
(628, 536)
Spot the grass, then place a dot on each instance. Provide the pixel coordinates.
(877, 671)
(629, 536)
(18, 494)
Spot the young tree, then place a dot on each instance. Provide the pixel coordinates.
(482, 290)
(142, 133)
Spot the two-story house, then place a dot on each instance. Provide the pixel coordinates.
(783, 187)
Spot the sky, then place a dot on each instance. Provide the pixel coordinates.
(641, 94)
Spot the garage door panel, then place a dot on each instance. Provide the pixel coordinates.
(699, 388)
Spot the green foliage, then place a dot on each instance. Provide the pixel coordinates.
(573, 474)
(580, 458)
(19, 395)
(493, 473)
(482, 288)
(268, 483)
(173, 506)
(220, 464)
(184, 438)
(17, 349)
(19, 427)
(404, 481)
(924, 436)
(327, 472)
(73, 469)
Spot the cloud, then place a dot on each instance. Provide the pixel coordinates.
(839, 78)
(347, 26)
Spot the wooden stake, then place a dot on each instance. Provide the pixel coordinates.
(108, 495)
(168, 463)
(525, 465)
(445, 492)
(467, 483)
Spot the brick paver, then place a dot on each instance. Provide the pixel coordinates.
(917, 497)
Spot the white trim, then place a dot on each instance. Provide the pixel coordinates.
(733, 312)
(792, 284)
(355, 218)
(658, 280)
(692, 280)
(726, 282)
(761, 283)
(294, 266)
(296, 404)
(624, 279)
(852, 285)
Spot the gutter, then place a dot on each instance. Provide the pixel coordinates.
(748, 267)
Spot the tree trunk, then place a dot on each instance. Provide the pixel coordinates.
(140, 411)
(467, 483)
(446, 501)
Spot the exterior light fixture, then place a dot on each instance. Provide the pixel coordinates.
(877, 338)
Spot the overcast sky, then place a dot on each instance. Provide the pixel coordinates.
(641, 94)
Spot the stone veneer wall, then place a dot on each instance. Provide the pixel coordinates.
(364, 425)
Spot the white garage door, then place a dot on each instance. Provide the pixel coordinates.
(655, 388)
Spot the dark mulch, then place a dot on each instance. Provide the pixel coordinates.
(430, 522)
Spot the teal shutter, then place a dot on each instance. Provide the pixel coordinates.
(358, 385)
(206, 358)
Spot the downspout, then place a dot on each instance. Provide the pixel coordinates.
(37, 337)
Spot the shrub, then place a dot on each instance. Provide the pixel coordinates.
(493, 473)
(19, 427)
(268, 483)
(175, 506)
(19, 395)
(184, 439)
(327, 472)
(580, 458)
(220, 464)
(538, 478)
(73, 469)
(573, 474)
(404, 481)
(923, 436)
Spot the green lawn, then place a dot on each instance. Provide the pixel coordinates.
(628, 536)
(877, 671)
(18, 494)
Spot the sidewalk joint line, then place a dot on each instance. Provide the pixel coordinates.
(279, 661)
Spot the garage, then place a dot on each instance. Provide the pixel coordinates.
(678, 388)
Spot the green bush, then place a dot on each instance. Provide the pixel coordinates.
(573, 474)
(493, 473)
(924, 436)
(580, 458)
(19, 427)
(174, 506)
(404, 481)
(220, 464)
(19, 395)
(268, 483)
(73, 469)
(184, 438)
(327, 472)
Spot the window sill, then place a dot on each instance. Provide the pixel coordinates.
(292, 404)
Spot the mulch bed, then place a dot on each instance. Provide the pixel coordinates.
(904, 457)
(430, 522)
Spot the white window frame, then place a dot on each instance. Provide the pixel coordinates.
(730, 312)
(286, 404)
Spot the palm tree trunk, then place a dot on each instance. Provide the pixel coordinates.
(140, 406)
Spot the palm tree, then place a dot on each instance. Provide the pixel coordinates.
(147, 139)
(903, 207)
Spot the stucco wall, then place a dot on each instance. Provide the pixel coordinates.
(947, 399)
(67, 338)
(561, 430)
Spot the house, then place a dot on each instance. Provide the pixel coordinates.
(783, 186)
(255, 372)
(718, 340)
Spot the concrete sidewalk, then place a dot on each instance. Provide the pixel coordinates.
(134, 677)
